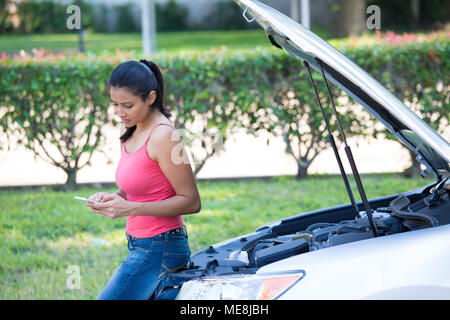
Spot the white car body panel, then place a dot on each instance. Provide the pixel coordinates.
(399, 266)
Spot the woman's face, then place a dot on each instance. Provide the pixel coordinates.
(131, 109)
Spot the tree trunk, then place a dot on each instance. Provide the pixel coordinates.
(71, 182)
(415, 169)
(352, 20)
(415, 11)
(302, 171)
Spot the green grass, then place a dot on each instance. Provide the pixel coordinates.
(45, 232)
(165, 41)
(168, 42)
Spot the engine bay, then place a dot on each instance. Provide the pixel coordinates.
(322, 229)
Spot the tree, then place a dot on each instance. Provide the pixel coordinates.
(289, 109)
(5, 23)
(202, 93)
(59, 111)
(302, 124)
(351, 18)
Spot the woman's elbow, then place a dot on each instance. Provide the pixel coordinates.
(197, 205)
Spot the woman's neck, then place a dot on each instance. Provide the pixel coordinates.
(152, 118)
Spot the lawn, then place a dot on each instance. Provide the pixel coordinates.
(45, 232)
(165, 41)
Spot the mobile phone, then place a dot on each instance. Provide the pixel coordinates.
(86, 199)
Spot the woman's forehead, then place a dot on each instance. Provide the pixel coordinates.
(121, 95)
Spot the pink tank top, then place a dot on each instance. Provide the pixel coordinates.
(143, 181)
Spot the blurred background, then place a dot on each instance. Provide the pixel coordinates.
(194, 26)
(328, 18)
(100, 16)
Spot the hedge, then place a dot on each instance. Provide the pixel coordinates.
(61, 102)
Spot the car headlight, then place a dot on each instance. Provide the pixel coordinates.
(266, 286)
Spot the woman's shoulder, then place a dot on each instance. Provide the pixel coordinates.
(164, 132)
(164, 136)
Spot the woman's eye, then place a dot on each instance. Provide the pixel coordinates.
(128, 107)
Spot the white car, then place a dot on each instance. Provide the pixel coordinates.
(394, 247)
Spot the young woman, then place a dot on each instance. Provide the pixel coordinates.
(156, 185)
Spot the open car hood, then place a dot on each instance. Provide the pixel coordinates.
(433, 151)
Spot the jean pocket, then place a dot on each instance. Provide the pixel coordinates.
(135, 259)
(174, 261)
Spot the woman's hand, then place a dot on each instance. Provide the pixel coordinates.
(97, 196)
(112, 206)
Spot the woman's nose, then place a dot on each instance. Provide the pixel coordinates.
(120, 112)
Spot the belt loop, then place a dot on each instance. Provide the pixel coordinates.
(166, 236)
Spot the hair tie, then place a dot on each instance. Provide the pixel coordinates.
(148, 67)
(144, 63)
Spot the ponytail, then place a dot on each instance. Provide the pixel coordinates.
(159, 101)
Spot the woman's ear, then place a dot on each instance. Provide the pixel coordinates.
(151, 98)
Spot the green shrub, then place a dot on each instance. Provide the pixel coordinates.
(63, 101)
(415, 68)
(59, 105)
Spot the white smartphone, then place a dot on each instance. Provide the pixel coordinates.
(86, 199)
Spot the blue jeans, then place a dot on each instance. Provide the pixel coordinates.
(142, 274)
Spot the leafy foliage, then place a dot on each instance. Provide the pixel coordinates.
(58, 106)
(415, 68)
(62, 102)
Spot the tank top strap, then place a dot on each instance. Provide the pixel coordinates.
(151, 131)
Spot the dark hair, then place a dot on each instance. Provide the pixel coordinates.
(140, 78)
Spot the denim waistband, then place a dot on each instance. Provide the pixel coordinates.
(178, 231)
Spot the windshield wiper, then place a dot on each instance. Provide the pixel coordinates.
(347, 151)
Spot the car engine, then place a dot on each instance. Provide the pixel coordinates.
(429, 207)
(403, 214)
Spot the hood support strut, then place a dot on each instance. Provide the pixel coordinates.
(347, 151)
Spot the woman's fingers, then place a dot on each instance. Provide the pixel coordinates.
(109, 197)
(98, 196)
